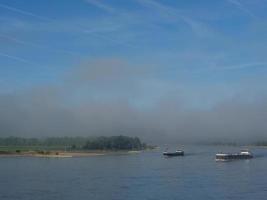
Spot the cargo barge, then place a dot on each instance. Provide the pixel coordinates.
(236, 156)
(176, 153)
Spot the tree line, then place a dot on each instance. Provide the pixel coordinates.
(115, 143)
(76, 143)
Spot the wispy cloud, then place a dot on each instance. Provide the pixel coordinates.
(81, 29)
(15, 58)
(197, 27)
(242, 66)
(119, 14)
(39, 46)
(101, 5)
(24, 12)
(241, 6)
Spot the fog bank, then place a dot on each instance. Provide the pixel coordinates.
(111, 97)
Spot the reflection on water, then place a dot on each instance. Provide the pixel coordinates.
(138, 176)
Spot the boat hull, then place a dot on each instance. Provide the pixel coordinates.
(172, 154)
(229, 157)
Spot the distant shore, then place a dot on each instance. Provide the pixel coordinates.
(64, 154)
(65, 147)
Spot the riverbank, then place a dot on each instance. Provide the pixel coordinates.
(63, 154)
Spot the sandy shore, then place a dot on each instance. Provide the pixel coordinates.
(63, 154)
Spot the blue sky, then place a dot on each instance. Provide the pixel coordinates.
(205, 51)
(161, 70)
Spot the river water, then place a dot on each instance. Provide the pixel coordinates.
(146, 175)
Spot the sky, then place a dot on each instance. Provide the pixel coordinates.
(182, 70)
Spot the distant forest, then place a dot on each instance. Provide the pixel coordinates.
(79, 143)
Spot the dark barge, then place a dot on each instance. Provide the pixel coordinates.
(176, 153)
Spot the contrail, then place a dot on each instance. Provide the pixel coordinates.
(109, 39)
(39, 46)
(197, 27)
(79, 27)
(24, 12)
(101, 5)
(242, 7)
(15, 58)
(243, 66)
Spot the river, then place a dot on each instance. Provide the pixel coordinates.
(146, 175)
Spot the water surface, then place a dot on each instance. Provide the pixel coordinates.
(146, 175)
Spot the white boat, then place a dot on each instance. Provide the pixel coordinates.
(244, 154)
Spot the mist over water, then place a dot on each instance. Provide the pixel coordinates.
(114, 97)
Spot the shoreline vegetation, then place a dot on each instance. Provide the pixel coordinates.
(65, 147)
